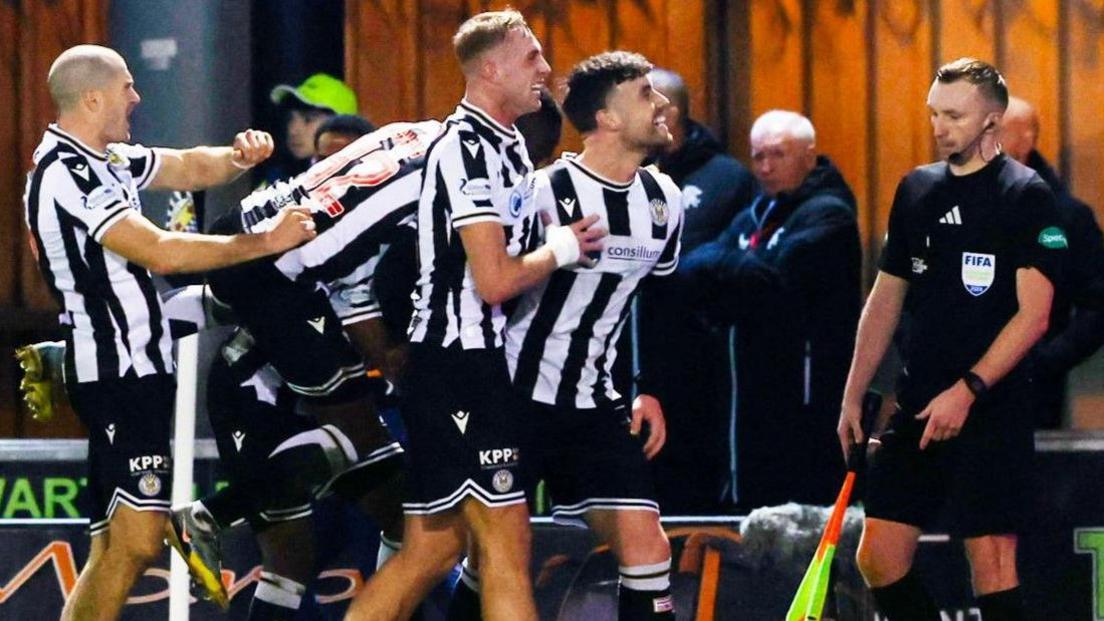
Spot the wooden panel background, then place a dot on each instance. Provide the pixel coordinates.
(860, 69)
(32, 34)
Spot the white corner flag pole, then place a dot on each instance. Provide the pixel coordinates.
(187, 363)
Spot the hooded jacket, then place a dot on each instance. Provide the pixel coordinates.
(681, 361)
(786, 273)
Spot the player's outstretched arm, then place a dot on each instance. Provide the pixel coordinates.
(169, 252)
(499, 277)
(876, 326)
(203, 167)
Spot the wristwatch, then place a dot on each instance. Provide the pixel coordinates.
(975, 384)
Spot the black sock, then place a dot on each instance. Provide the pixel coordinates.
(1002, 606)
(644, 593)
(227, 506)
(464, 605)
(276, 598)
(906, 600)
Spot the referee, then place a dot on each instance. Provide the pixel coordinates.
(95, 251)
(970, 257)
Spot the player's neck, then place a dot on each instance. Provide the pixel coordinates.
(610, 159)
(86, 132)
(486, 102)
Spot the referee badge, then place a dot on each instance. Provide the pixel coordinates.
(659, 211)
(503, 481)
(149, 484)
(978, 271)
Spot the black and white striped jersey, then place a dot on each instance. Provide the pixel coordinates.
(358, 197)
(477, 171)
(109, 307)
(561, 341)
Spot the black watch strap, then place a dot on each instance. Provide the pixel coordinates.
(975, 383)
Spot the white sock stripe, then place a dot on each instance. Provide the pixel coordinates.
(273, 594)
(286, 584)
(654, 577)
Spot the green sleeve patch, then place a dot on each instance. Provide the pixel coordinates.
(1053, 237)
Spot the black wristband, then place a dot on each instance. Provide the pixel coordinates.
(975, 384)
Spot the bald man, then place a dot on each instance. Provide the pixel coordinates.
(96, 252)
(1076, 328)
(786, 274)
(685, 365)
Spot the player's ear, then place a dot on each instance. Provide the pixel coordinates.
(608, 119)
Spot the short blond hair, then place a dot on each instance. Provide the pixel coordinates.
(484, 31)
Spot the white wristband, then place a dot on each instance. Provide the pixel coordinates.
(561, 241)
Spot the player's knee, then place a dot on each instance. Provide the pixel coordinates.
(869, 563)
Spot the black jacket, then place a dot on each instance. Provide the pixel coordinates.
(1076, 327)
(786, 273)
(683, 362)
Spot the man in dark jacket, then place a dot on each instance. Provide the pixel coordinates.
(1076, 327)
(786, 274)
(681, 361)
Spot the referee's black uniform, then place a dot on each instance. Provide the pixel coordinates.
(958, 241)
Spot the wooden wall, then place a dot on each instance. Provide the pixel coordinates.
(32, 34)
(860, 69)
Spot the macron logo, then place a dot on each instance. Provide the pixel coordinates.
(318, 323)
(472, 146)
(461, 420)
(952, 217)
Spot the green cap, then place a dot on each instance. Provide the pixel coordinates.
(321, 90)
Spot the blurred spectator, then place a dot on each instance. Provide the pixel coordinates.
(307, 106)
(542, 130)
(686, 365)
(338, 132)
(1076, 315)
(786, 274)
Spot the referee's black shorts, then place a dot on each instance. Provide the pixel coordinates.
(463, 434)
(978, 483)
(588, 460)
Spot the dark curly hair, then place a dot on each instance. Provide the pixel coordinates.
(591, 81)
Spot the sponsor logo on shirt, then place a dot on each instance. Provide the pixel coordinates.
(632, 253)
(1053, 238)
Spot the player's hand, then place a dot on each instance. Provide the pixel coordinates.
(946, 414)
(588, 236)
(646, 409)
(251, 147)
(291, 227)
(849, 428)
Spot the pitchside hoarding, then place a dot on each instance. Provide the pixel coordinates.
(42, 545)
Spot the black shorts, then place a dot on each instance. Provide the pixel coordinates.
(978, 483)
(129, 422)
(250, 421)
(588, 460)
(296, 330)
(462, 424)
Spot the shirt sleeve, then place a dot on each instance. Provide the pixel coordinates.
(669, 259)
(464, 167)
(1040, 240)
(75, 189)
(143, 162)
(895, 259)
